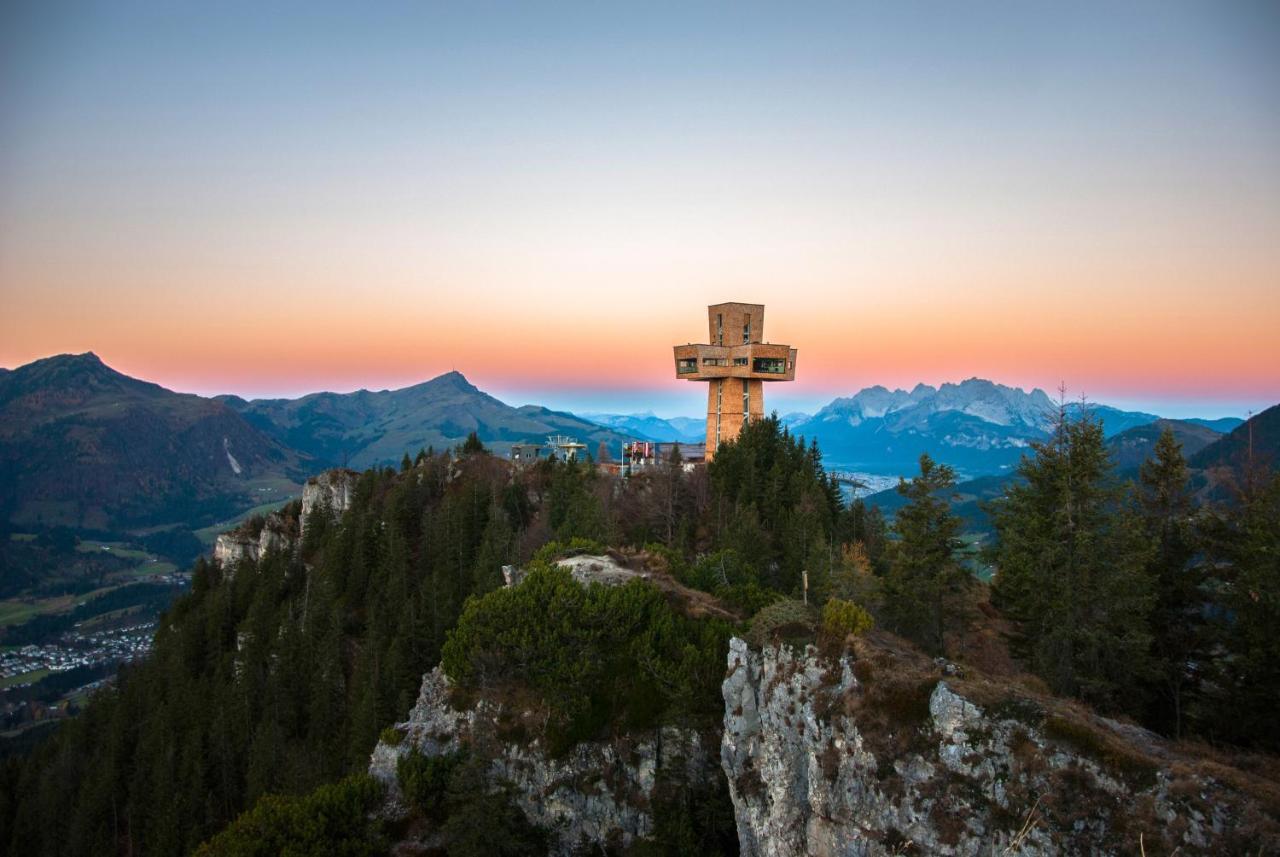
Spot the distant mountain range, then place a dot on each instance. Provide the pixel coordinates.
(365, 428)
(1252, 445)
(1218, 462)
(1133, 446)
(646, 426)
(83, 445)
(977, 426)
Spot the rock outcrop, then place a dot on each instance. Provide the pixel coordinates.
(256, 538)
(618, 568)
(858, 756)
(332, 489)
(599, 793)
(586, 569)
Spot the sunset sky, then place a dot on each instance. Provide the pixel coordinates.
(546, 197)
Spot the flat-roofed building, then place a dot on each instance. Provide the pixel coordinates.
(735, 364)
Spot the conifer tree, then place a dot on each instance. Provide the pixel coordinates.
(865, 525)
(494, 551)
(1177, 627)
(1244, 556)
(473, 445)
(924, 576)
(1071, 566)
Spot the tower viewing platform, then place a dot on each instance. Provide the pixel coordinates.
(734, 364)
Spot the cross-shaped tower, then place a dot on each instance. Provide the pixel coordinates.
(734, 363)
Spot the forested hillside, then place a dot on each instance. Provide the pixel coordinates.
(277, 677)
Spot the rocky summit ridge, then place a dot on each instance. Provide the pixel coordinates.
(875, 753)
(872, 750)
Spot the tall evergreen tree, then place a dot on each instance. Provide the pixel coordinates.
(1244, 555)
(1177, 627)
(1071, 566)
(473, 445)
(924, 576)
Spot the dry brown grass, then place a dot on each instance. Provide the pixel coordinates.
(693, 603)
(983, 642)
(892, 711)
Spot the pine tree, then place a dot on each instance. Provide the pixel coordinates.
(852, 578)
(1071, 568)
(473, 445)
(494, 551)
(1244, 555)
(1178, 635)
(865, 525)
(924, 576)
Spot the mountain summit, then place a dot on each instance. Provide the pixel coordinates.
(85, 445)
(364, 428)
(69, 378)
(976, 397)
(977, 426)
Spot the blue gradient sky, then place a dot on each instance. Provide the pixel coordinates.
(222, 197)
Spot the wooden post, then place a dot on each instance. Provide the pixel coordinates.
(805, 575)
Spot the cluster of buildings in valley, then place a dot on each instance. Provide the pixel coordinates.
(73, 649)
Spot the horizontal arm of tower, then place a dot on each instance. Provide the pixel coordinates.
(757, 360)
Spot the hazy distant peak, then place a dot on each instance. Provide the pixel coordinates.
(455, 379)
(873, 403)
(86, 360)
(995, 403)
(978, 397)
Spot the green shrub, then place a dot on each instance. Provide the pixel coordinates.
(841, 618)
(748, 597)
(483, 820)
(782, 621)
(332, 820)
(552, 551)
(595, 655)
(424, 780)
(391, 736)
(724, 575)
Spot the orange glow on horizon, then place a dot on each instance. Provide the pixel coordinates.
(545, 200)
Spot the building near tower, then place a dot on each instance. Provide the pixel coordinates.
(735, 364)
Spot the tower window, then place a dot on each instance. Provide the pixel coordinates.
(746, 331)
(719, 328)
(772, 365)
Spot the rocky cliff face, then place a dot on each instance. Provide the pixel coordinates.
(879, 751)
(282, 530)
(882, 754)
(599, 794)
(333, 488)
(279, 531)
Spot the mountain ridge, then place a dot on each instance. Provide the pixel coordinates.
(978, 426)
(85, 445)
(367, 428)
